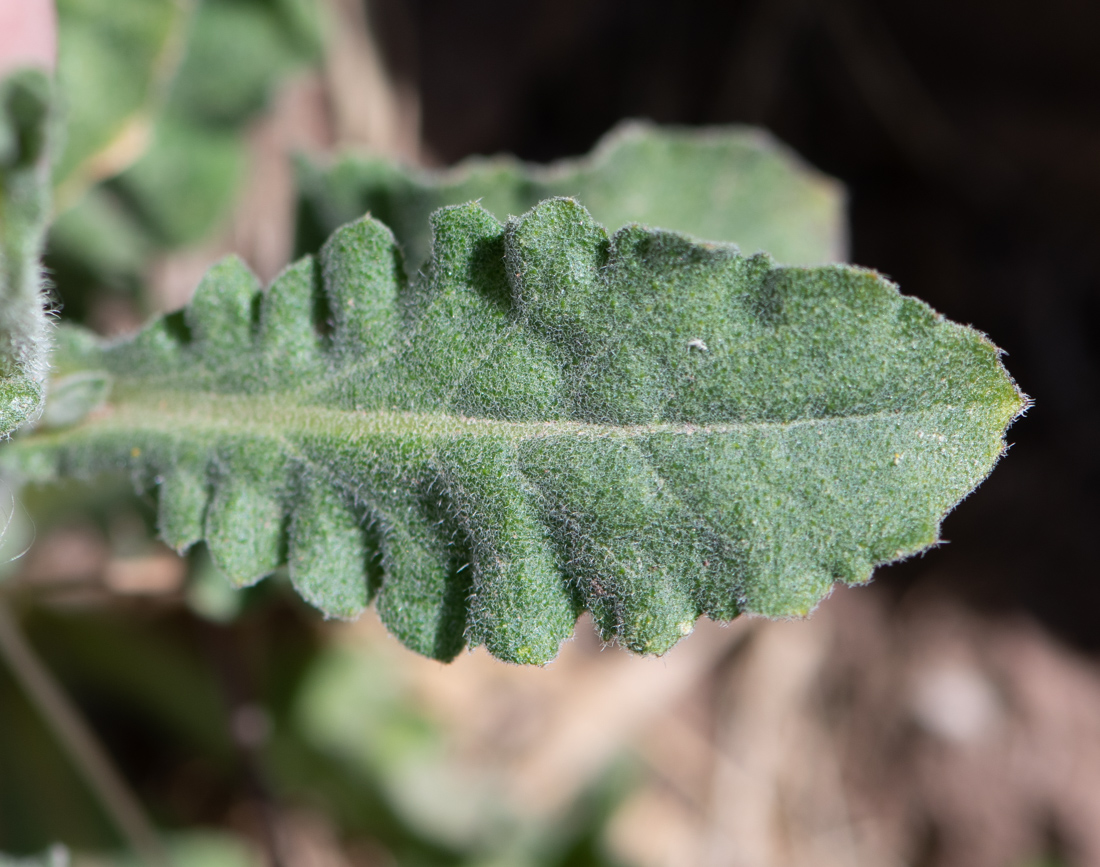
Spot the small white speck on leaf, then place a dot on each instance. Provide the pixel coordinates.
(698, 344)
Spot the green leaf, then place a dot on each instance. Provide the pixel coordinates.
(74, 396)
(546, 419)
(185, 182)
(727, 183)
(155, 96)
(235, 53)
(112, 57)
(121, 63)
(97, 243)
(201, 848)
(24, 207)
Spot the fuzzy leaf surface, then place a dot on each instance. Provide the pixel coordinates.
(24, 208)
(727, 183)
(546, 419)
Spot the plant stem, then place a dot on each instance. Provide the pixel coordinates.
(80, 743)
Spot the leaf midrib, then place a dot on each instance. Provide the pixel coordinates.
(278, 414)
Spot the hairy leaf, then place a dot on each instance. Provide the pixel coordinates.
(24, 207)
(728, 183)
(546, 419)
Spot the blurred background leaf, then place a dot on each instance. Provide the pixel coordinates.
(721, 184)
(156, 96)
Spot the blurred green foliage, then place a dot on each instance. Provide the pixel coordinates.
(112, 58)
(155, 97)
(722, 184)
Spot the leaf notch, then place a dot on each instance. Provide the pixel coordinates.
(549, 419)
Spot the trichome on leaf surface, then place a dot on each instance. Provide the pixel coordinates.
(545, 419)
(24, 207)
